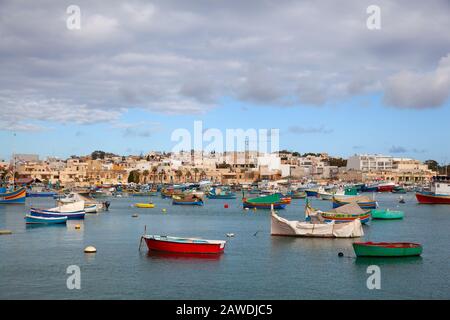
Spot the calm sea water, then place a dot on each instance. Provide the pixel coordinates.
(33, 261)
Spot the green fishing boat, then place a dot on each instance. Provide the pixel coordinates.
(387, 249)
(387, 214)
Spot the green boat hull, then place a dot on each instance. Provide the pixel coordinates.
(387, 214)
(384, 251)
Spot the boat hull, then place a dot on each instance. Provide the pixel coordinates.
(145, 205)
(387, 214)
(264, 205)
(221, 196)
(363, 205)
(184, 247)
(16, 197)
(311, 193)
(386, 249)
(50, 214)
(41, 194)
(29, 219)
(188, 203)
(432, 199)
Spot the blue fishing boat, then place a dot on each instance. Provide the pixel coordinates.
(217, 193)
(76, 215)
(312, 192)
(12, 197)
(30, 219)
(49, 194)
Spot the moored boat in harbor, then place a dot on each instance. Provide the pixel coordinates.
(363, 201)
(13, 197)
(184, 245)
(387, 249)
(72, 211)
(30, 219)
(439, 192)
(345, 213)
(386, 214)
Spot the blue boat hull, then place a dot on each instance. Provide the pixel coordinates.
(40, 194)
(218, 196)
(263, 206)
(14, 197)
(49, 214)
(39, 220)
(310, 193)
(194, 203)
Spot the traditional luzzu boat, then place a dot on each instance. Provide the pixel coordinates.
(144, 205)
(217, 193)
(386, 214)
(13, 197)
(297, 194)
(363, 201)
(315, 228)
(72, 211)
(183, 245)
(191, 200)
(29, 219)
(345, 213)
(264, 202)
(90, 205)
(439, 193)
(312, 192)
(387, 249)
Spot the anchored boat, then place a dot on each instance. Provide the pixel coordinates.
(72, 211)
(386, 214)
(145, 205)
(346, 213)
(265, 202)
(387, 249)
(29, 219)
(439, 194)
(184, 245)
(12, 197)
(363, 201)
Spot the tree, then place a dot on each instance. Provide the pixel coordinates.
(154, 172)
(134, 176)
(338, 162)
(179, 174)
(196, 171)
(145, 174)
(188, 175)
(432, 165)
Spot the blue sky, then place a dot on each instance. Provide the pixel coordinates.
(360, 125)
(136, 70)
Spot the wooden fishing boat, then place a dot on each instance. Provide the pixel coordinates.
(345, 213)
(311, 192)
(72, 211)
(431, 198)
(362, 201)
(315, 229)
(387, 249)
(386, 214)
(217, 193)
(41, 194)
(29, 219)
(264, 202)
(144, 205)
(190, 200)
(184, 245)
(298, 195)
(13, 197)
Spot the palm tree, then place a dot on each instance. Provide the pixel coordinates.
(179, 174)
(202, 175)
(145, 175)
(196, 171)
(154, 171)
(187, 175)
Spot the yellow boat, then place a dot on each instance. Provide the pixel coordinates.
(144, 205)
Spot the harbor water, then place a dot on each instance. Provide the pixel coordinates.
(34, 260)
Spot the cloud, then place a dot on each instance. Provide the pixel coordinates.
(138, 129)
(408, 89)
(309, 130)
(184, 56)
(397, 149)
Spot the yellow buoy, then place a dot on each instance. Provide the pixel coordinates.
(90, 249)
(164, 210)
(5, 232)
(254, 209)
(77, 226)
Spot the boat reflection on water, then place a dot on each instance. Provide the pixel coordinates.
(184, 256)
(380, 261)
(43, 225)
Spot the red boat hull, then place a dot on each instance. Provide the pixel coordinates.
(168, 246)
(431, 199)
(385, 188)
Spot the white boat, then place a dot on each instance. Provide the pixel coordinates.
(315, 228)
(91, 205)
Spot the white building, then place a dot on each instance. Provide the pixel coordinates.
(369, 162)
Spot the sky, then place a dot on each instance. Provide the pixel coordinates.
(135, 71)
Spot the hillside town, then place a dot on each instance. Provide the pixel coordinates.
(100, 168)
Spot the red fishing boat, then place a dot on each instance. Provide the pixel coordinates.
(184, 245)
(439, 193)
